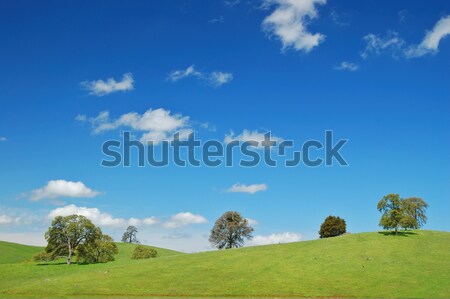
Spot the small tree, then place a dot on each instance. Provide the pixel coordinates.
(332, 226)
(414, 213)
(101, 250)
(391, 207)
(67, 233)
(143, 252)
(230, 231)
(43, 257)
(129, 236)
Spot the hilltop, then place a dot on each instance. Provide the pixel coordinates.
(414, 265)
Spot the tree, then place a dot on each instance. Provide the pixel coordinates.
(129, 236)
(398, 212)
(230, 231)
(391, 207)
(67, 233)
(101, 250)
(143, 252)
(43, 257)
(332, 226)
(414, 209)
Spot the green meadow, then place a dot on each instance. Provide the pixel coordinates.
(415, 264)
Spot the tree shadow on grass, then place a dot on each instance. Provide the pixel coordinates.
(53, 264)
(399, 233)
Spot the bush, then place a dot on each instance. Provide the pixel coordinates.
(143, 252)
(332, 226)
(102, 250)
(43, 257)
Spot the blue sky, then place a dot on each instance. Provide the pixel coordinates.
(374, 72)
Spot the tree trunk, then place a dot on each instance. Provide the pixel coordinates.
(69, 258)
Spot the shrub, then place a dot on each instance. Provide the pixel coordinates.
(143, 252)
(332, 226)
(43, 257)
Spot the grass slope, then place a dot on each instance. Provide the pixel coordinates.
(14, 253)
(416, 265)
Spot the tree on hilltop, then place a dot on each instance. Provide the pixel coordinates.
(332, 226)
(230, 231)
(129, 236)
(405, 213)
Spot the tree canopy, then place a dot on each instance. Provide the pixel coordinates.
(230, 231)
(405, 213)
(332, 226)
(75, 234)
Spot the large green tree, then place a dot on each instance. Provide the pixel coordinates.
(230, 231)
(405, 213)
(67, 233)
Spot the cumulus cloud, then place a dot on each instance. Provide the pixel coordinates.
(251, 189)
(376, 44)
(277, 238)
(248, 135)
(289, 22)
(430, 43)
(156, 125)
(60, 188)
(101, 88)
(100, 218)
(346, 66)
(215, 78)
(183, 219)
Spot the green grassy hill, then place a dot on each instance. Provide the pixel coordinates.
(14, 253)
(375, 265)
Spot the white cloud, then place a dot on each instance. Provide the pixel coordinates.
(3, 138)
(81, 117)
(251, 189)
(252, 222)
(100, 218)
(286, 237)
(346, 66)
(430, 43)
(375, 44)
(8, 220)
(220, 78)
(184, 219)
(289, 23)
(176, 75)
(157, 125)
(248, 135)
(215, 78)
(101, 88)
(141, 222)
(61, 188)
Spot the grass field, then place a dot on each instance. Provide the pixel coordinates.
(370, 265)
